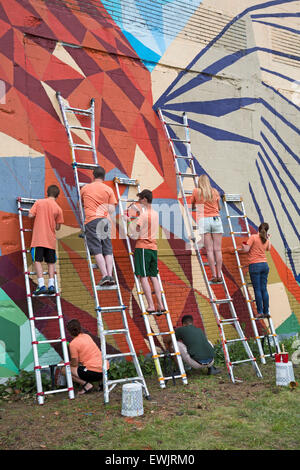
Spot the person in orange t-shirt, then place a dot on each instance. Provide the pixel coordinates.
(144, 229)
(99, 202)
(85, 357)
(256, 246)
(206, 201)
(48, 217)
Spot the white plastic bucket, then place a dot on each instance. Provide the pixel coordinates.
(284, 373)
(132, 400)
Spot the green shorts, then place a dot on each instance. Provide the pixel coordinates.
(145, 262)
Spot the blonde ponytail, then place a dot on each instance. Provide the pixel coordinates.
(204, 188)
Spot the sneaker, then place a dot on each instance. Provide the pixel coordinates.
(104, 281)
(40, 291)
(51, 290)
(112, 281)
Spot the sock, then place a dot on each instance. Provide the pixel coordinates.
(51, 282)
(41, 282)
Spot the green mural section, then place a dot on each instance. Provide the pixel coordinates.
(15, 337)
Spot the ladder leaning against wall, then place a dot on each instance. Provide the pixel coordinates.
(271, 335)
(123, 186)
(71, 114)
(24, 205)
(189, 173)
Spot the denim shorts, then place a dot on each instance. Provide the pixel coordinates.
(211, 225)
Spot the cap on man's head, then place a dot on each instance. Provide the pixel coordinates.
(147, 194)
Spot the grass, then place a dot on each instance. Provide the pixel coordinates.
(210, 413)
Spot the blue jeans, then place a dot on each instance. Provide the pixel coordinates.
(259, 278)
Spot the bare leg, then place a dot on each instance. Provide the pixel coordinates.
(109, 264)
(101, 264)
(217, 242)
(76, 379)
(157, 291)
(208, 243)
(39, 269)
(147, 291)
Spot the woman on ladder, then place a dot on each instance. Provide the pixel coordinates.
(206, 201)
(256, 246)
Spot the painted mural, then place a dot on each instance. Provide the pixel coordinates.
(233, 69)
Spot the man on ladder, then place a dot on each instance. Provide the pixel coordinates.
(99, 203)
(48, 218)
(145, 229)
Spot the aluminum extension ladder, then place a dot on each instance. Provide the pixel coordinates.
(238, 199)
(108, 385)
(24, 205)
(187, 157)
(150, 324)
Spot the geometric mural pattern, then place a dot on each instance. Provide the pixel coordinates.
(45, 48)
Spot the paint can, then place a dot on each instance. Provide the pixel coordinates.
(284, 373)
(132, 400)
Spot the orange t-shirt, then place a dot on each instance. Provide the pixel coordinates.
(148, 223)
(96, 198)
(47, 214)
(84, 349)
(210, 208)
(256, 254)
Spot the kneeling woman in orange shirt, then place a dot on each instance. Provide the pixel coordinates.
(86, 358)
(256, 246)
(206, 201)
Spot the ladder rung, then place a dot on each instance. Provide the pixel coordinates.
(62, 364)
(229, 320)
(236, 216)
(239, 233)
(128, 200)
(174, 124)
(46, 318)
(188, 175)
(82, 146)
(26, 200)
(117, 308)
(174, 377)
(48, 341)
(81, 128)
(49, 392)
(232, 197)
(115, 332)
(126, 181)
(245, 360)
(181, 141)
(235, 340)
(110, 356)
(160, 333)
(107, 287)
(186, 157)
(221, 301)
(77, 110)
(85, 166)
(127, 379)
(188, 192)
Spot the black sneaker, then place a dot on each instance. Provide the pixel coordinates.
(112, 281)
(51, 290)
(104, 281)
